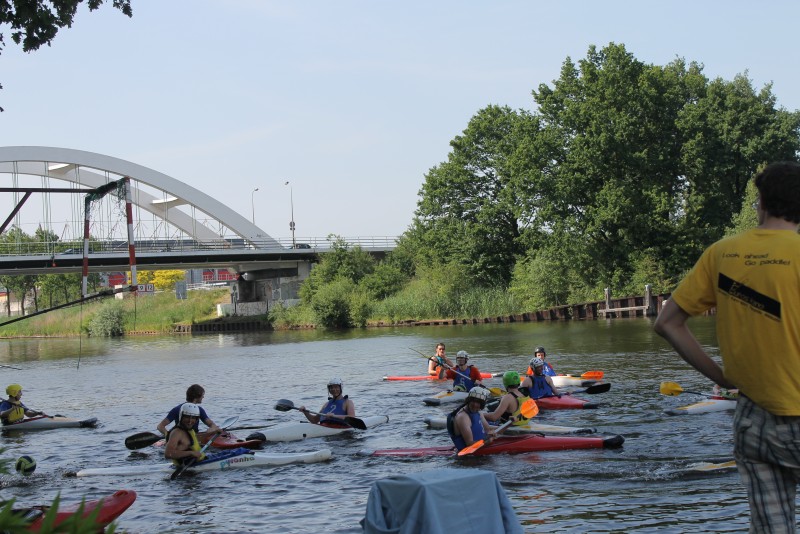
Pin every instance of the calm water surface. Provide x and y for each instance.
(130, 384)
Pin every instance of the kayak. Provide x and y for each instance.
(45, 422)
(562, 381)
(434, 377)
(110, 508)
(565, 402)
(712, 404)
(531, 427)
(226, 440)
(304, 430)
(218, 462)
(511, 445)
(446, 397)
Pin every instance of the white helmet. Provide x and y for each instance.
(190, 409)
(335, 382)
(482, 394)
(462, 354)
(536, 362)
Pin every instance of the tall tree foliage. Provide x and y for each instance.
(625, 172)
(35, 23)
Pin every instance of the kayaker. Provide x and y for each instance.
(509, 407)
(437, 365)
(753, 280)
(338, 405)
(539, 384)
(464, 377)
(182, 439)
(12, 410)
(540, 353)
(467, 423)
(194, 394)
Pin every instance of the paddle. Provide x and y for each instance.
(284, 405)
(673, 389)
(593, 375)
(528, 409)
(142, 440)
(592, 390)
(185, 465)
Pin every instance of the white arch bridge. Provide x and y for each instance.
(175, 225)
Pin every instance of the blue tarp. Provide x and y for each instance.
(440, 501)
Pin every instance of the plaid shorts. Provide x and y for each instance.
(767, 450)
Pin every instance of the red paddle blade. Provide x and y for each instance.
(472, 448)
(593, 375)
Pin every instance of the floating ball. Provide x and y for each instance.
(25, 465)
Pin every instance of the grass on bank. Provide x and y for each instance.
(159, 313)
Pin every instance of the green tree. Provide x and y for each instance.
(35, 23)
(468, 211)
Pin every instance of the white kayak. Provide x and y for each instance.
(45, 422)
(706, 467)
(238, 461)
(446, 397)
(531, 428)
(712, 404)
(305, 430)
(563, 381)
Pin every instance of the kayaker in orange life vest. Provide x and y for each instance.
(539, 384)
(337, 405)
(464, 377)
(12, 410)
(182, 440)
(435, 367)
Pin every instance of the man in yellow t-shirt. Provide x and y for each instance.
(753, 280)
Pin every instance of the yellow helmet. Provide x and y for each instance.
(13, 390)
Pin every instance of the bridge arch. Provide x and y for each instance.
(92, 170)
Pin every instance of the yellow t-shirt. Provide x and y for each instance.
(753, 279)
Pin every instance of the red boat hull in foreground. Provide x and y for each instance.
(514, 445)
(111, 507)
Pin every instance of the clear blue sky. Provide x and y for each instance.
(351, 101)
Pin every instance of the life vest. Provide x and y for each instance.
(476, 425)
(521, 399)
(16, 414)
(461, 380)
(334, 407)
(539, 388)
(195, 446)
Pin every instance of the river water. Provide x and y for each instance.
(130, 384)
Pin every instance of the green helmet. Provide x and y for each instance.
(511, 378)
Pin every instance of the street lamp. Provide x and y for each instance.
(253, 204)
(291, 223)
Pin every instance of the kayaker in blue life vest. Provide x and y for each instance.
(509, 407)
(467, 423)
(538, 385)
(438, 365)
(182, 440)
(464, 377)
(194, 395)
(336, 409)
(12, 410)
(540, 353)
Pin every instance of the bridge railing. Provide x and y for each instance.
(319, 244)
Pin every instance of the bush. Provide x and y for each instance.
(331, 303)
(109, 321)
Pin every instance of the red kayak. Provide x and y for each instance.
(434, 377)
(111, 507)
(565, 402)
(226, 440)
(513, 445)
